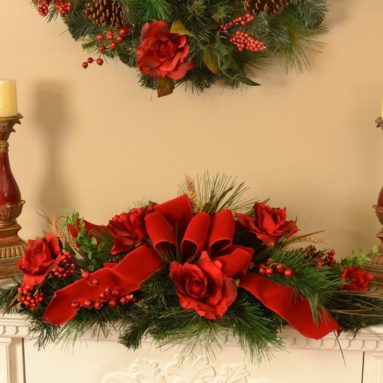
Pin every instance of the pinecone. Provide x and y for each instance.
(271, 7)
(105, 13)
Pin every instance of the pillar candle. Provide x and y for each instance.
(8, 98)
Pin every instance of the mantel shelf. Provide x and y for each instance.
(16, 326)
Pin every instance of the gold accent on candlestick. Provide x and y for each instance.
(11, 245)
(379, 122)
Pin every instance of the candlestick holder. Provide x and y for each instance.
(377, 260)
(11, 204)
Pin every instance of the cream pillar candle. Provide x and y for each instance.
(8, 98)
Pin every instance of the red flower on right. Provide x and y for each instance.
(356, 278)
(268, 224)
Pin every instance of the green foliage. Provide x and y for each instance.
(359, 259)
(147, 10)
(355, 310)
(159, 315)
(316, 285)
(93, 246)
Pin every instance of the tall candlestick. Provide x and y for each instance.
(8, 98)
(11, 204)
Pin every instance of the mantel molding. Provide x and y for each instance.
(16, 326)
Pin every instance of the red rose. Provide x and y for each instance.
(203, 287)
(39, 258)
(128, 229)
(268, 224)
(162, 53)
(356, 278)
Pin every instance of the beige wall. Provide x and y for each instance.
(94, 141)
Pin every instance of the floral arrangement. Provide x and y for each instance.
(196, 42)
(192, 268)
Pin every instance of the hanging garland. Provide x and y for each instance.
(190, 269)
(196, 42)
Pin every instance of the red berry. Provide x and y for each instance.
(115, 292)
(100, 37)
(109, 36)
(90, 60)
(119, 38)
(88, 303)
(85, 65)
(113, 45)
(262, 270)
(101, 49)
(97, 305)
(75, 304)
(269, 271)
(280, 268)
(100, 61)
(112, 303)
(288, 273)
(123, 300)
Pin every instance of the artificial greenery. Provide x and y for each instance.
(289, 35)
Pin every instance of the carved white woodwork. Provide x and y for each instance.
(198, 370)
(107, 362)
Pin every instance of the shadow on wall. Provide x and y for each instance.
(338, 11)
(51, 114)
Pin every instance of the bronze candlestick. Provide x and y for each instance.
(11, 204)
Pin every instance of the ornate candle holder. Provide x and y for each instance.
(11, 204)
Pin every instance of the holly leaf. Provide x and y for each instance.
(210, 60)
(165, 86)
(179, 27)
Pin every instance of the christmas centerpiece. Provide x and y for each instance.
(197, 42)
(203, 264)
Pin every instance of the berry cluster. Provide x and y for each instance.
(109, 296)
(272, 267)
(242, 20)
(91, 60)
(243, 41)
(63, 6)
(65, 265)
(29, 299)
(108, 41)
(321, 258)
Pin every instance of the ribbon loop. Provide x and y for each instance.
(221, 232)
(195, 236)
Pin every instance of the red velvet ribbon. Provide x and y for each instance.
(126, 276)
(285, 302)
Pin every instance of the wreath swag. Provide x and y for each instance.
(196, 42)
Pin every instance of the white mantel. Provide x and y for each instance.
(105, 361)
